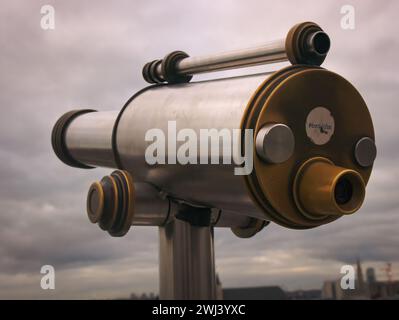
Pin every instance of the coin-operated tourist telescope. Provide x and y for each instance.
(294, 147)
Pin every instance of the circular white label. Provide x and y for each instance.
(320, 125)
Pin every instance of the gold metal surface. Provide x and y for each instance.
(249, 231)
(249, 122)
(288, 97)
(130, 194)
(294, 44)
(110, 215)
(315, 189)
(111, 203)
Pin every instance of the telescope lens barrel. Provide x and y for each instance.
(59, 138)
(323, 189)
(83, 138)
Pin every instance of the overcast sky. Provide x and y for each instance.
(93, 58)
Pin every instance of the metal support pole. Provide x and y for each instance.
(186, 262)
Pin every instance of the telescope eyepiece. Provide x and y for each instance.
(349, 191)
(323, 189)
(307, 43)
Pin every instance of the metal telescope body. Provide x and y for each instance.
(307, 132)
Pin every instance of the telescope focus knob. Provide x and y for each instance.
(110, 203)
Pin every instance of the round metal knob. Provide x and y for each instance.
(275, 143)
(365, 152)
(110, 203)
(95, 202)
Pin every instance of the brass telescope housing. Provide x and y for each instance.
(305, 190)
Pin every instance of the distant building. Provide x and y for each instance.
(219, 289)
(332, 289)
(255, 293)
(372, 289)
(384, 290)
(144, 296)
(361, 288)
(304, 294)
(370, 275)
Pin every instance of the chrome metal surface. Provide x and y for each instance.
(314, 43)
(186, 262)
(365, 152)
(227, 219)
(263, 54)
(150, 209)
(275, 143)
(88, 138)
(218, 104)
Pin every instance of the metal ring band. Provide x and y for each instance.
(58, 138)
(169, 68)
